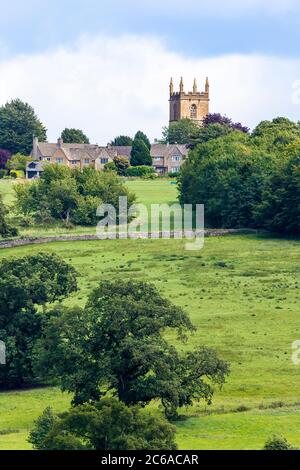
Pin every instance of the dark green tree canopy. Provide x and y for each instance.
(104, 425)
(74, 136)
(117, 344)
(246, 180)
(18, 125)
(279, 210)
(142, 136)
(122, 141)
(27, 285)
(140, 154)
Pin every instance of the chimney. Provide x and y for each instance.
(60, 142)
(35, 143)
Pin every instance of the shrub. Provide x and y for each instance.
(140, 171)
(3, 173)
(278, 443)
(71, 196)
(104, 425)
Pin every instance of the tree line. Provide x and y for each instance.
(245, 179)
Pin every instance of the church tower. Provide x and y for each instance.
(193, 104)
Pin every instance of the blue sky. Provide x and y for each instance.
(191, 27)
(104, 65)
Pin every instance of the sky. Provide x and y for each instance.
(104, 65)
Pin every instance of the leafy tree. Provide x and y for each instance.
(104, 425)
(180, 132)
(141, 136)
(71, 196)
(217, 118)
(18, 123)
(18, 162)
(42, 427)
(6, 230)
(227, 175)
(27, 285)
(210, 132)
(278, 443)
(117, 345)
(280, 207)
(122, 140)
(274, 136)
(121, 164)
(140, 154)
(74, 136)
(5, 155)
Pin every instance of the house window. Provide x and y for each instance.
(176, 158)
(74, 162)
(86, 161)
(59, 161)
(175, 169)
(157, 159)
(104, 160)
(193, 111)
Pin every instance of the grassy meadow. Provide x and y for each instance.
(242, 292)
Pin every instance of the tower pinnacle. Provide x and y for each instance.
(195, 87)
(207, 85)
(171, 87)
(181, 85)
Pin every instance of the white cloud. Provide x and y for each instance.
(108, 86)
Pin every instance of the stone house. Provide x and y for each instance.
(72, 155)
(168, 158)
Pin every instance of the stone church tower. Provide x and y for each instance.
(193, 104)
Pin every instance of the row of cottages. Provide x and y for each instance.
(166, 158)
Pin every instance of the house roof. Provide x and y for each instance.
(93, 152)
(164, 150)
(35, 166)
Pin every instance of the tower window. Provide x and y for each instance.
(193, 111)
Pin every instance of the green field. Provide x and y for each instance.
(7, 191)
(243, 294)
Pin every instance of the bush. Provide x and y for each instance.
(70, 196)
(17, 174)
(172, 175)
(3, 173)
(140, 171)
(104, 425)
(278, 443)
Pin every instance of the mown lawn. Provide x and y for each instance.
(243, 294)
